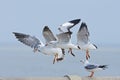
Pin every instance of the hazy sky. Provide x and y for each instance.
(30, 16)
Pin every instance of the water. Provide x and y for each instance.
(20, 61)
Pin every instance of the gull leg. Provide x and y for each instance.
(91, 75)
(63, 51)
(70, 51)
(87, 54)
(55, 58)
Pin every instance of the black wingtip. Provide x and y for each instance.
(75, 21)
(20, 35)
(46, 28)
(14, 33)
(103, 66)
(83, 24)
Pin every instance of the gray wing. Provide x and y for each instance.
(91, 66)
(83, 34)
(27, 39)
(48, 35)
(64, 37)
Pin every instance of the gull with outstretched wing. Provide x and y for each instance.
(35, 43)
(83, 39)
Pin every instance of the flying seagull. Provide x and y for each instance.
(83, 39)
(61, 40)
(68, 25)
(33, 42)
(92, 67)
(66, 35)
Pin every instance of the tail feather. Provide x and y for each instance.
(103, 66)
(95, 46)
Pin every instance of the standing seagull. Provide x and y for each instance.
(83, 39)
(92, 67)
(68, 25)
(62, 40)
(33, 42)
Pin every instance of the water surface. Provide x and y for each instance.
(20, 61)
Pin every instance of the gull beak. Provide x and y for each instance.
(82, 61)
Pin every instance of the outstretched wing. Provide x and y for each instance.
(27, 39)
(64, 37)
(83, 34)
(68, 25)
(48, 35)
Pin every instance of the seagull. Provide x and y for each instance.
(38, 45)
(65, 27)
(92, 67)
(61, 40)
(83, 39)
(65, 35)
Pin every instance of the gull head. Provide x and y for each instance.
(82, 61)
(85, 62)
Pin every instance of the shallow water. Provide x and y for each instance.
(20, 61)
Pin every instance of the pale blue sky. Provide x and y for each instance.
(30, 16)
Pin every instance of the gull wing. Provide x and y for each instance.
(90, 66)
(64, 37)
(68, 25)
(83, 34)
(48, 35)
(27, 39)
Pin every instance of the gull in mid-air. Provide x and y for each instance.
(33, 42)
(92, 67)
(83, 39)
(65, 27)
(64, 37)
(61, 40)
